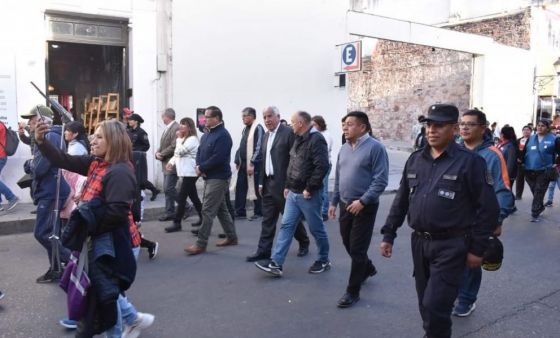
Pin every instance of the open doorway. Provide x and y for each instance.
(77, 73)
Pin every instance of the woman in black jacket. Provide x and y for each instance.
(110, 182)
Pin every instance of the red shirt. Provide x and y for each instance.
(2, 140)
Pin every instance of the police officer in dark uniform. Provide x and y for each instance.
(140, 142)
(452, 210)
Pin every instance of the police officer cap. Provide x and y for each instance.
(136, 117)
(494, 255)
(44, 110)
(442, 112)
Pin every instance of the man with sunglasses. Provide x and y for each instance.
(452, 210)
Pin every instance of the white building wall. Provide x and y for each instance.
(235, 54)
(24, 43)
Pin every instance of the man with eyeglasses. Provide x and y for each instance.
(478, 138)
(212, 163)
(452, 210)
(539, 156)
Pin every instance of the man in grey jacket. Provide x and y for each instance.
(164, 154)
(362, 172)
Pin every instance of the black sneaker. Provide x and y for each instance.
(49, 277)
(547, 204)
(319, 267)
(270, 266)
(153, 250)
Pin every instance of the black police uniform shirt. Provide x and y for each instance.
(449, 193)
(139, 139)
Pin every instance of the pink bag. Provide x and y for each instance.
(76, 283)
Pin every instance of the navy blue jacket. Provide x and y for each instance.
(44, 174)
(214, 154)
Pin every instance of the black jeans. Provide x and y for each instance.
(356, 232)
(188, 189)
(538, 183)
(438, 270)
(520, 185)
(273, 206)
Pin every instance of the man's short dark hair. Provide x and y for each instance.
(480, 116)
(251, 111)
(528, 127)
(305, 116)
(361, 117)
(215, 112)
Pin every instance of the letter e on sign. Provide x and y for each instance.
(351, 56)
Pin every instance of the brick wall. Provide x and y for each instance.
(400, 81)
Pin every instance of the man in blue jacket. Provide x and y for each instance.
(476, 137)
(45, 176)
(539, 156)
(212, 163)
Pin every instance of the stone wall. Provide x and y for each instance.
(400, 81)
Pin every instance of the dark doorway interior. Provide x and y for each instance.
(77, 72)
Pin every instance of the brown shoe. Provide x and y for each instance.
(227, 242)
(195, 250)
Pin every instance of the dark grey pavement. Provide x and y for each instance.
(219, 295)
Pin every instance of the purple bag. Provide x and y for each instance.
(75, 282)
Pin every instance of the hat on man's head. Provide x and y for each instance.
(44, 110)
(441, 112)
(136, 117)
(494, 255)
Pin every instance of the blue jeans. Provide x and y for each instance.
(44, 228)
(551, 187)
(4, 190)
(325, 208)
(297, 207)
(468, 291)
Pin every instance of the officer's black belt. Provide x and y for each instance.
(440, 235)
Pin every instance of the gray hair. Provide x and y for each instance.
(274, 109)
(170, 112)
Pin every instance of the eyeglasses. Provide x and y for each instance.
(469, 125)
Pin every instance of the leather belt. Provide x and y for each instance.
(434, 236)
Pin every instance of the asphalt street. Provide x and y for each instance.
(218, 294)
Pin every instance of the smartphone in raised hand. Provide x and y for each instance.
(43, 118)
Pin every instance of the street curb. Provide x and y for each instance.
(26, 225)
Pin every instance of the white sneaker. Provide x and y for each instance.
(143, 321)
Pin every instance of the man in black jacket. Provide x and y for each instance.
(309, 163)
(275, 156)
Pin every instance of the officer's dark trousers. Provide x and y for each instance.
(538, 184)
(273, 205)
(438, 270)
(241, 189)
(356, 232)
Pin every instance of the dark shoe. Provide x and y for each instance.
(153, 250)
(348, 300)
(254, 217)
(319, 267)
(372, 271)
(257, 257)
(173, 228)
(303, 251)
(463, 310)
(222, 236)
(194, 231)
(49, 277)
(547, 204)
(33, 212)
(195, 250)
(166, 218)
(154, 194)
(227, 242)
(270, 266)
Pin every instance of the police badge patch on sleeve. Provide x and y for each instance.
(489, 178)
